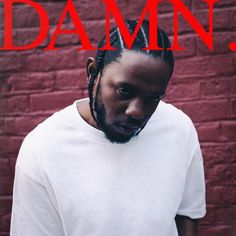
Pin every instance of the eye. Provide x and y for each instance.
(124, 92)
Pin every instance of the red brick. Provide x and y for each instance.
(1, 16)
(208, 110)
(96, 30)
(26, 36)
(219, 153)
(209, 218)
(1, 37)
(189, 45)
(221, 195)
(3, 104)
(4, 234)
(5, 203)
(85, 93)
(26, 16)
(12, 61)
(90, 10)
(10, 145)
(53, 101)
(65, 39)
(165, 6)
(200, 4)
(133, 9)
(166, 22)
(56, 60)
(183, 92)
(208, 80)
(129, 9)
(4, 88)
(75, 79)
(5, 224)
(54, 11)
(6, 185)
(233, 17)
(5, 168)
(234, 106)
(218, 230)
(204, 66)
(226, 215)
(30, 81)
(209, 132)
(21, 125)
(221, 19)
(13, 164)
(228, 131)
(17, 104)
(1, 125)
(221, 43)
(223, 174)
(82, 57)
(234, 58)
(220, 87)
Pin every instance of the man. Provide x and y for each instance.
(119, 163)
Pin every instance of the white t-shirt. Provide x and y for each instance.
(71, 181)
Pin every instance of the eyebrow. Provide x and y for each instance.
(127, 85)
(136, 88)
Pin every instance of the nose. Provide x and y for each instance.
(135, 109)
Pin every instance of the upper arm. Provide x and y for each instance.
(33, 212)
(193, 203)
(186, 226)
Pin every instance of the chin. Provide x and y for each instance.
(115, 137)
(119, 140)
(113, 134)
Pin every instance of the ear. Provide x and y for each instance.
(91, 66)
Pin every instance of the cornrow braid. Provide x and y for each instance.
(99, 65)
(99, 62)
(105, 57)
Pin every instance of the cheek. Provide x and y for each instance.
(114, 109)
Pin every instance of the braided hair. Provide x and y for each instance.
(105, 57)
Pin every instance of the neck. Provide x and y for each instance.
(84, 110)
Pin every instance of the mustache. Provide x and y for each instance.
(130, 122)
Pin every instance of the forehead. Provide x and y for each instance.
(138, 69)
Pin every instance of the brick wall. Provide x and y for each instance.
(36, 83)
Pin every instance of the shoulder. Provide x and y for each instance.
(43, 136)
(170, 116)
(176, 125)
(53, 125)
(173, 126)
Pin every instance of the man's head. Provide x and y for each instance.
(125, 86)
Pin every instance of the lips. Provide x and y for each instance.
(126, 129)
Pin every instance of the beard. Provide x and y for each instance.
(109, 132)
